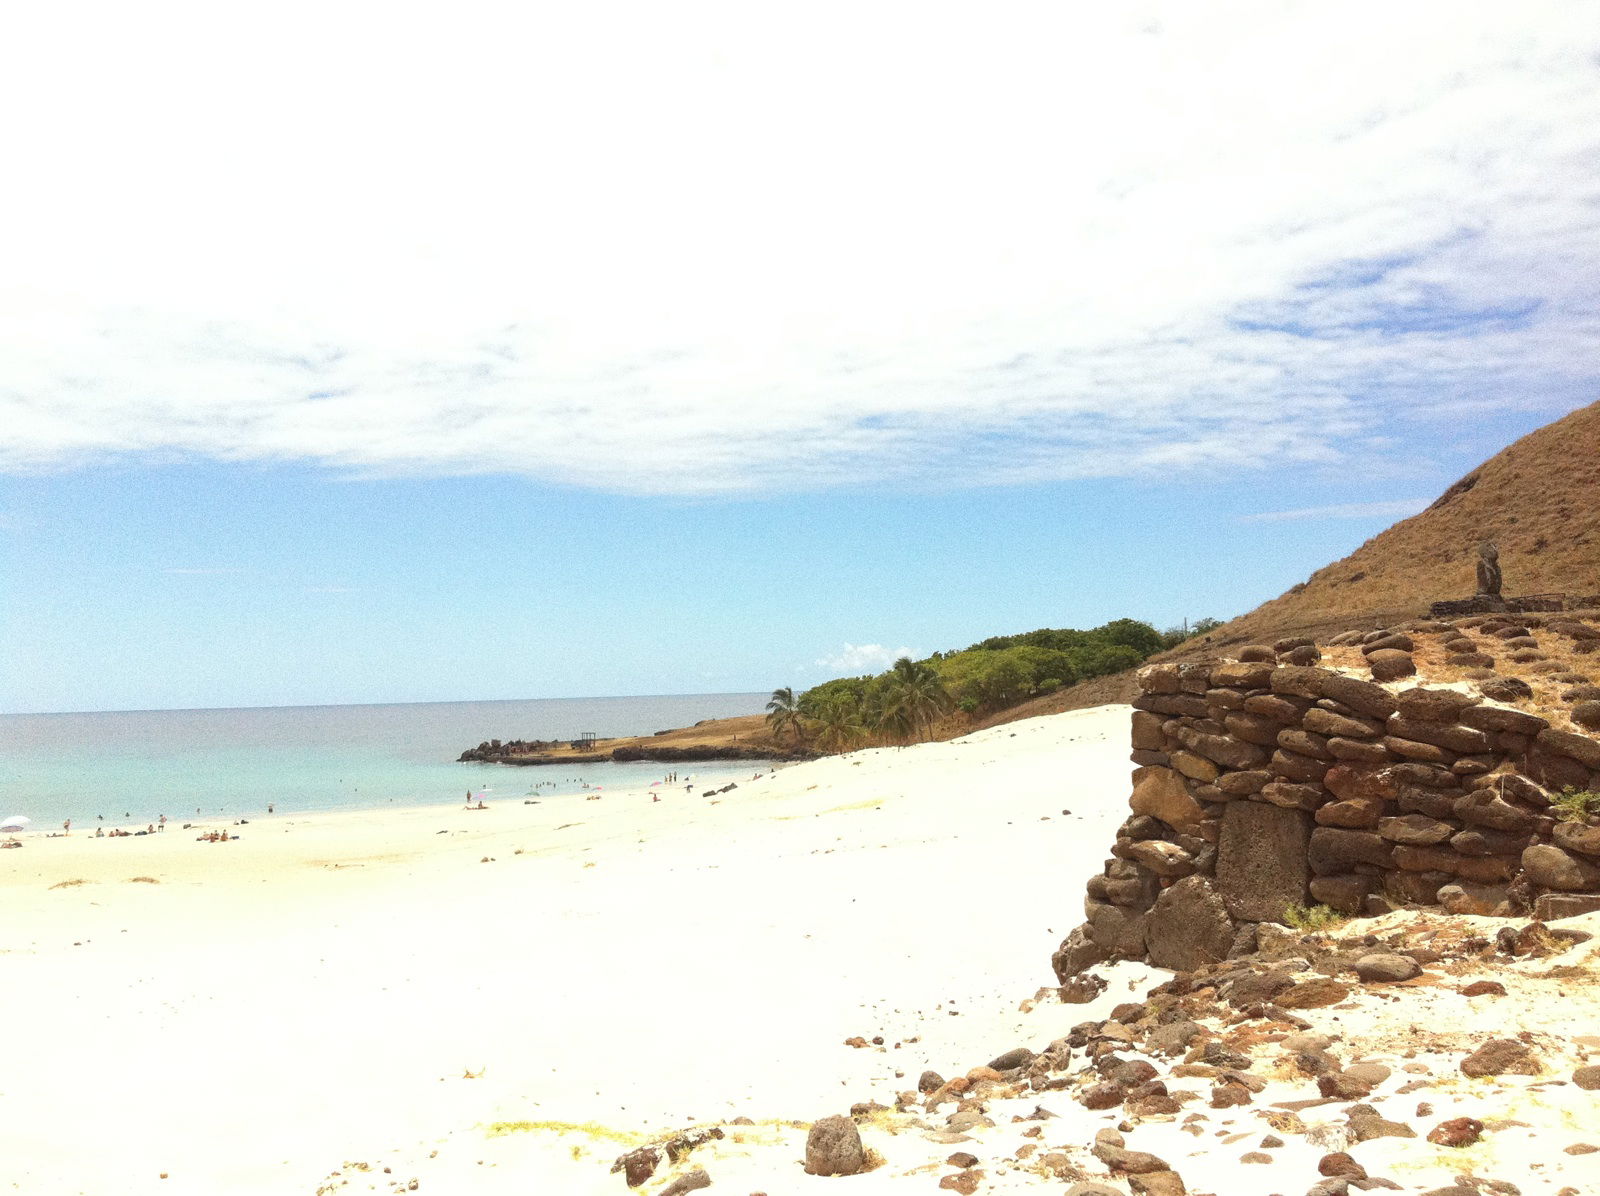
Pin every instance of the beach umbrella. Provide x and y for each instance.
(14, 823)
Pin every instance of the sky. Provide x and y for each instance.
(403, 352)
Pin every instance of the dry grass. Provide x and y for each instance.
(1538, 500)
(67, 884)
(143, 880)
(591, 1130)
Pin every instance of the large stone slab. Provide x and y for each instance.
(1261, 860)
(1189, 926)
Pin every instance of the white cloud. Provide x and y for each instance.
(1396, 509)
(710, 248)
(855, 660)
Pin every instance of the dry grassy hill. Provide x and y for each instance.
(1538, 500)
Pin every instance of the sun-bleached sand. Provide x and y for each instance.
(388, 988)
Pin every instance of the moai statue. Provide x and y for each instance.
(1489, 579)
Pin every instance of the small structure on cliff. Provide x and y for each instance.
(1489, 600)
(1263, 785)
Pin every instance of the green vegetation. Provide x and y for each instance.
(782, 712)
(1173, 636)
(1313, 919)
(1575, 805)
(913, 699)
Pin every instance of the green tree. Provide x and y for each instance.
(783, 711)
(1141, 637)
(838, 723)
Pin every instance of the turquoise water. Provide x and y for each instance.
(136, 765)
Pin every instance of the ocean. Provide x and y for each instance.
(132, 766)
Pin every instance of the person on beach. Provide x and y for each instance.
(163, 823)
(66, 827)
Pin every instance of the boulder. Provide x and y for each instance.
(1390, 665)
(1159, 679)
(1446, 735)
(1577, 836)
(1347, 892)
(1355, 814)
(1293, 797)
(1388, 641)
(1384, 967)
(1488, 842)
(1587, 715)
(1482, 808)
(1565, 743)
(1161, 793)
(1458, 1131)
(1441, 859)
(1222, 749)
(1195, 767)
(1415, 888)
(1433, 705)
(1164, 859)
(1278, 707)
(1359, 751)
(1500, 1057)
(1506, 689)
(1147, 734)
(1361, 696)
(1261, 860)
(1189, 926)
(1298, 681)
(1550, 867)
(1415, 829)
(1306, 743)
(1327, 723)
(1498, 718)
(833, 1147)
(1242, 674)
(1242, 784)
(1333, 850)
(1468, 897)
(1292, 766)
(1351, 782)
(1077, 952)
(1554, 906)
(1415, 749)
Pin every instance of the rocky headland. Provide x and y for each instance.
(746, 738)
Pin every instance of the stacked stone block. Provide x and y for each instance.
(1261, 785)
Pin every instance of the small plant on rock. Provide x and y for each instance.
(1313, 919)
(1575, 805)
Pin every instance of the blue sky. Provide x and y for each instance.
(513, 353)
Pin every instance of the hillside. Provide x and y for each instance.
(1538, 500)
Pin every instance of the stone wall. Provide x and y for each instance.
(1482, 604)
(1262, 784)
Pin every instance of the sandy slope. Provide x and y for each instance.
(319, 991)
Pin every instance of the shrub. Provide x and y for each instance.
(1313, 919)
(1574, 805)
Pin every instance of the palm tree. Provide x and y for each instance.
(922, 697)
(838, 723)
(783, 710)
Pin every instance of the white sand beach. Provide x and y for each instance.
(384, 988)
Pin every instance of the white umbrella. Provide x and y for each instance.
(15, 823)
